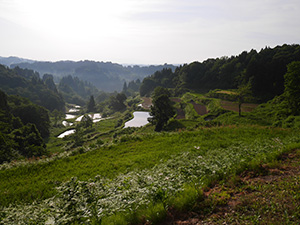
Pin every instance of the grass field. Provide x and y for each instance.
(224, 150)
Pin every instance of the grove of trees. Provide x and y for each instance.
(265, 69)
(20, 136)
(28, 84)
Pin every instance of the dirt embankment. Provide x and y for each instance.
(233, 106)
(275, 189)
(147, 102)
(200, 109)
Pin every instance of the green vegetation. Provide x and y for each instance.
(292, 83)
(162, 110)
(199, 156)
(106, 76)
(208, 145)
(27, 83)
(19, 135)
(270, 198)
(266, 70)
(76, 91)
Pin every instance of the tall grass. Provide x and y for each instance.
(157, 170)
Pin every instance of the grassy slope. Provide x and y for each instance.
(27, 183)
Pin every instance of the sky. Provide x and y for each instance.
(144, 31)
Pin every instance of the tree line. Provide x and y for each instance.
(265, 69)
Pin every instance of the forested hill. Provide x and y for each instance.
(106, 76)
(27, 83)
(22, 126)
(265, 69)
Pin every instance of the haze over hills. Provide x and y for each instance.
(106, 76)
(7, 61)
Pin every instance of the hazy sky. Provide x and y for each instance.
(144, 31)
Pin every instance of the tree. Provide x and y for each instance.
(124, 87)
(292, 86)
(28, 141)
(91, 106)
(58, 115)
(158, 91)
(30, 113)
(116, 103)
(86, 121)
(243, 91)
(162, 109)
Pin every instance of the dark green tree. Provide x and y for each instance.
(116, 103)
(31, 113)
(124, 87)
(292, 86)
(162, 109)
(58, 115)
(28, 141)
(158, 91)
(86, 121)
(16, 139)
(91, 106)
(48, 80)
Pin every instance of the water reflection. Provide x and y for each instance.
(139, 119)
(66, 133)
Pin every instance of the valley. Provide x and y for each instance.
(186, 146)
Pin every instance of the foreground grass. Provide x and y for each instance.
(38, 181)
(172, 159)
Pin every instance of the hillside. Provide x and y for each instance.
(106, 174)
(106, 76)
(22, 126)
(265, 69)
(28, 84)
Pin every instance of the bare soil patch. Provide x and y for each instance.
(233, 106)
(176, 99)
(147, 102)
(200, 109)
(180, 114)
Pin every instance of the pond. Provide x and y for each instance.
(66, 133)
(139, 119)
(96, 117)
(70, 116)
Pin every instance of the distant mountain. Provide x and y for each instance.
(106, 76)
(7, 61)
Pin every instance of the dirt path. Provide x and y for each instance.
(272, 198)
